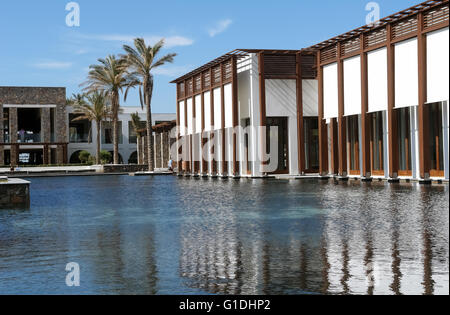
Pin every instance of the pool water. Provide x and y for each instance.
(169, 235)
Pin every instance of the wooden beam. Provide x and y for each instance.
(392, 117)
(300, 121)
(365, 119)
(323, 134)
(423, 114)
(342, 128)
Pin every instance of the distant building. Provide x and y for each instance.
(37, 128)
(82, 136)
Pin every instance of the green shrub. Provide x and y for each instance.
(105, 157)
(84, 156)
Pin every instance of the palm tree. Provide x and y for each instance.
(94, 108)
(137, 126)
(141, 61)
(111, 77)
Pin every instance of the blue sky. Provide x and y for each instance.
(39, 49)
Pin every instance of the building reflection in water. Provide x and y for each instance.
(363, 239)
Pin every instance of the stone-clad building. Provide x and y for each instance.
(37, 128)
(33, 125)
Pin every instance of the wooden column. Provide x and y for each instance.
(392, 117)
(262, 104)
(365, 119)
(334, 146)
(300, 121)
(342, 129)
(222, 98)
(203, 140)
(212, 133)
(235, 91)
(423, 114)
(186, 167)
(323, 133)
(178, 159)
(194, 161)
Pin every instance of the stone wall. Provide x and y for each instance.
(107, 169)
(15, 194)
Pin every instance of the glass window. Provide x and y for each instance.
(79, 130)
(107, 132)
(311, 133)
(377, 144)
(353, 144)
(436, 139)
(404, 138)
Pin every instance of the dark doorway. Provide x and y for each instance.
(353, 144)
(29, 125)
(283, 148)
(31, 157)
(311, 133)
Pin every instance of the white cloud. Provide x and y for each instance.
(170, 41)
(220, 27)
(53, 65)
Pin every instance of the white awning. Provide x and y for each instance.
(330, 91)
(437, 66)
(352, 86)
(377, 80)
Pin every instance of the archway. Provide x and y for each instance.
(133, 158)
(120, 157)
(74, 158)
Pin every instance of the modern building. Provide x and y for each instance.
(37, 128)
(370, 103)
(33, 125)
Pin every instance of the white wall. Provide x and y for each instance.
(281, 96)
(352, 86)
(437, 66)
(406, 74)
(330, 91)
(377, 80)
(310, 98)
(244, 94)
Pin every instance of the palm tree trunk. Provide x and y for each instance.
(116, 128)
(148, 100)
(138, 150)
(99, 128)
